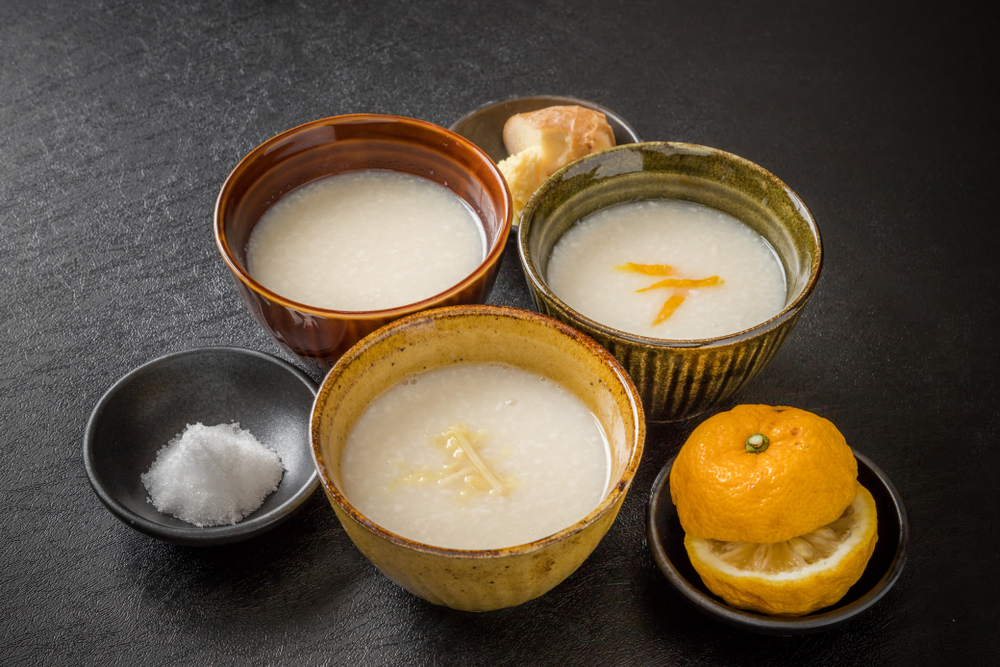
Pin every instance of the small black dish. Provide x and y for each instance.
(666, 542)
(145, 409)
(484, 126)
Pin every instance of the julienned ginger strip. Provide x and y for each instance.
(459, 434)
(458, 475)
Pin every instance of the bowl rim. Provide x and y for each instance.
(190, 535)
(538, 283)
(563, 100)
(616, 490)
(776, 625)
(491, 257)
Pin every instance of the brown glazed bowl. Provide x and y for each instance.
(489, 579)
(343, 144)
(677, 379)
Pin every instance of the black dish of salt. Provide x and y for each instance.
(148, 407)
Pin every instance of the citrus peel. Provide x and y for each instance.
(646, 269)
(672, 304)
(802, 479)
(711, 281)
(793, 577)
(681, 285)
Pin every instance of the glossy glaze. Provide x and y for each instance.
(492, 579)
(677, 379)
(342, 144)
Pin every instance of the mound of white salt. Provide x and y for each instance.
(212, 475)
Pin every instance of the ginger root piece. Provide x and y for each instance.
(524, 172)
(542, 142)
(563, 133)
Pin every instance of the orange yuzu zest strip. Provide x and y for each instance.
(672, 304)
(646, 269)
(683, 282)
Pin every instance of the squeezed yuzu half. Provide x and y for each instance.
(794, 577)
(774, 518)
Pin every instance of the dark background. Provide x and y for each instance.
(119, 122)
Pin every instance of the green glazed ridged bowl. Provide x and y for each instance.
(677, 379)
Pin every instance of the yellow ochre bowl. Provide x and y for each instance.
(488, 579)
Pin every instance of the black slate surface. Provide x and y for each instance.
(120, 120)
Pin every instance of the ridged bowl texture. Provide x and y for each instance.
(677, 379)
